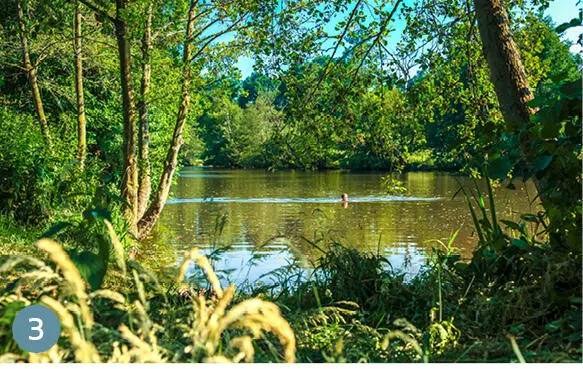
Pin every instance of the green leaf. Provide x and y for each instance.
(9, 312)
(520, 243)
(541, 163)
(461, 267)
(91, 267)
(529, 218)
(512, 225)
(452, 259)
(55, 229)
(100, 213)
(575, 22)
(553, 326)
(499, 168)
(549, 129)
(558, 78)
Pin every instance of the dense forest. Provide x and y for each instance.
(103, 101)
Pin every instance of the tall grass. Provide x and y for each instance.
(126, 325)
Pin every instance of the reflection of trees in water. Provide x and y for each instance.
(397, 227)
(160, 251)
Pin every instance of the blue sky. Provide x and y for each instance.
(560, 11)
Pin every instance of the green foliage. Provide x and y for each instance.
(357, 107)
(507, 264)
(34, 181)
(553, 160)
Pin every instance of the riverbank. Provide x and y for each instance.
(527, 308)
(425, 160)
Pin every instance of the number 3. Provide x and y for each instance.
(38, 328)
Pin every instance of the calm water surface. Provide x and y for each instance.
(270, 219)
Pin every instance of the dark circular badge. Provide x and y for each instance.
(36, 328)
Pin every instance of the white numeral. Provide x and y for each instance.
(38, 328)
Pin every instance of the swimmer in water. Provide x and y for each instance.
(344, 200)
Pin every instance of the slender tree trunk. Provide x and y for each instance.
(32, 77)
(506, 69)
(129, 185)
(152, 214)
(81, 122)
(145, 185)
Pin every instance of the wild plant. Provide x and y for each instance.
(132, 328)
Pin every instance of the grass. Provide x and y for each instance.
(515, 301)
(16, 238)
(135, 319)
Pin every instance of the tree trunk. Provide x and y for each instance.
(32, 77)
(506, 70)
(145, 185)
(512, 89)
(147, 222)
(129, 185)
(81, 122)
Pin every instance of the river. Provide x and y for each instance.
(267, 220)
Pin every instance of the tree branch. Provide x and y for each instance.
(96, 9)
(219, 34)
(348, 23)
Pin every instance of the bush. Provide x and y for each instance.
(36, 180)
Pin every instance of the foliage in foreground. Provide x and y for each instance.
(139, 323)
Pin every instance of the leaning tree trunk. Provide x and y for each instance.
(32, 77)
(145, 185)
(506, 70)
(81, 122)
(512, 89)
(129, 185)
(147, 222)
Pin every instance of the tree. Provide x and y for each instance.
(236, 17)
(513, 92)
(151, 215)
(31, 71)
(507, 72)
(145, 185)
(82, 123)
(129, 184)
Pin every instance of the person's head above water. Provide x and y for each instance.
(344, 197)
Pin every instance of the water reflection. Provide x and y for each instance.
(312, 200)
(281, 215)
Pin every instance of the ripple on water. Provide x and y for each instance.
(301, 200)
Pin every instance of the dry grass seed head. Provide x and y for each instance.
(258, 315)
(71, 275)
(13, 261)
(205, 265)
(108, 294)
(140, 288)
(219, 359)
(245, 346)
(211, 332)
(144, 318)
(10, 358)
(53, 355)
(141, 351)
(85, 352)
